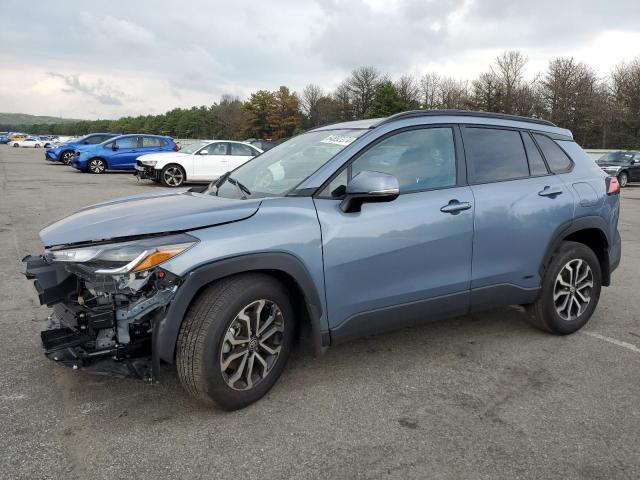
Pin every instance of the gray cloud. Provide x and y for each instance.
(98, 91)
(165, 55)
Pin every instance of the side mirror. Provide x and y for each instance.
(204, 152)
(114, 147)
(369, 187)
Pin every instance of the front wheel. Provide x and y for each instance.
(15, 145)
(97, 165)
(66, 157)
(172, 176)
(623, 179)
(570, 290)
(235, 340)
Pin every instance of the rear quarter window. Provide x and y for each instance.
(558, 161)
(494, 154)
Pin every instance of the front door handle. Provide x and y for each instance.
(454, 206)
(550, 191)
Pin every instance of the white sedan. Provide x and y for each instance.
(32, 142)
(198, 162)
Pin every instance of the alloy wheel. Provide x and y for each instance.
(572, 289)
(173, 176)
(96, 166)
(623, 179)
(252, 344)
(66, 157)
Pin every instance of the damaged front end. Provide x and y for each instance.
(107, 299)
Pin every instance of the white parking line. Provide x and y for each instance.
(620, 343)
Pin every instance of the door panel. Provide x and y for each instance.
(212, 165)
(514, 223)
(125, 156)
(400, 253)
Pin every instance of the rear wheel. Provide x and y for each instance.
(570, 290)
(235, 340)
(15, 145)
(65, 157)
(37, 145)
(97, 165)
(172, 176)
(623, 179)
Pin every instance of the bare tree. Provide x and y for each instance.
(509, 71)
(362, 89)
(342, 98)
(311, 94)
(408, 91)
(429, 88)
(625, 89)
(452, 93)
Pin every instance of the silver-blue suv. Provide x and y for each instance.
(340, 232)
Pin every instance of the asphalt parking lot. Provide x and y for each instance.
(481, 396)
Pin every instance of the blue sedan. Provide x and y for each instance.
(63, 153)
(120, 153)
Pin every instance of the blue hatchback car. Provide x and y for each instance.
(63, 153)
(120, 153)
(343, 231)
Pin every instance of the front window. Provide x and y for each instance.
(618, 158)
(279, 170)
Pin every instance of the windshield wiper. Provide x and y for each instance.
(241, 188)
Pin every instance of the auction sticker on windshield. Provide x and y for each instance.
(338, 140)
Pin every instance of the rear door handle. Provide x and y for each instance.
(550, 191)
(454, 206)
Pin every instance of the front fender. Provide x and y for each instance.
(195, 280)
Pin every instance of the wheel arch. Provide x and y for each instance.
(283, 266)
(171, 164)
(590, 231)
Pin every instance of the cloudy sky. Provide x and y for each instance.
(85, 59)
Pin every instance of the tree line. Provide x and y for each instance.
(602, 112)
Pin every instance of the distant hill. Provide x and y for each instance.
(24, 119)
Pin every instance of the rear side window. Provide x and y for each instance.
(558, 161)
(494, 155)
(127, 142)
(536, 163)
(152, 142)
(241, 150)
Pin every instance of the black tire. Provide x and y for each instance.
(200, 342)
(623, 179)
(96, 165)
(15, 145)
(37, 146)
(543, 313)
(65, 157)
(173, 176)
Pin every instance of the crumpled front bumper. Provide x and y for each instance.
(90, 338)
(146, 172)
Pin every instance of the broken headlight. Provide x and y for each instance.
(125, 257)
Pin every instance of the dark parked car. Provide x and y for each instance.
(625, 165)
(343, 231)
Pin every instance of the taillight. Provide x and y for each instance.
(175, 147)
(613, 186)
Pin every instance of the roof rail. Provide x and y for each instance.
(465, 113)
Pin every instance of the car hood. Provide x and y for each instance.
(605, 164)
(160, 212)
(163, 156)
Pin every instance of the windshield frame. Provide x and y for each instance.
(214, 186)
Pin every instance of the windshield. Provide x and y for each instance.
(193, 147)
(279, 170)
(620, 158)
